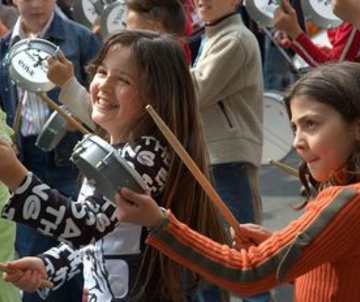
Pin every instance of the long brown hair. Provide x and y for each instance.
(165, 83)
(337, 85)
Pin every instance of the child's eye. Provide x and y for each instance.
(101, 71)
(124, 80)
(310, 124)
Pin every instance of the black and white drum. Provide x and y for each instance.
(261, 11)
(52, 132)
(320, 12)
(278, 136)
(105, 168)
(28, 66)
(86, 12)
(113, 18)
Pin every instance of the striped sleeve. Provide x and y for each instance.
(345, 46)
(286, 255)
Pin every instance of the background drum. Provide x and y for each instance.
(113, 18)
(320, 13)
(52, 132)
(278, 136)
(261, 11)
(28, 66)
(104, 167)
(86, 12)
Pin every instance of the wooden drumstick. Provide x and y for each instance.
(45, 283)
(195, 171)
(63, 113)
(284, 167)
(17, 118)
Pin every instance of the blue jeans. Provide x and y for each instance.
(29, 241)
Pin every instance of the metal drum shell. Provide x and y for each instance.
(81, 16)
(52, 132)
(310, 13)
(117, 7)
(259, 15)
(278, 135)
(21, 46)
(104, 168)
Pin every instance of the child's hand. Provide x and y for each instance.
(255, 234)
(286, 19)
(60, 70)
(12, 172)
(137, 208)
(28, 273)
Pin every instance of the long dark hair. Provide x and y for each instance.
(165, 83)
(337, 85)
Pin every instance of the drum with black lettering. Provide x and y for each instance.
(113, 17)
(278, 136)
(261, 11)
(105, 168)
(28, 65)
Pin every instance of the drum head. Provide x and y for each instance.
(113, 18)
(278, 136)
(320, 12)
(105, 168)
(86, 12)
(261, 11)
(28, 66)
(52, 132)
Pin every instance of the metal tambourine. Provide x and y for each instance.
(52, 132)
(28, 66)
(105, 168)
(278, 136)
(113, 17)
(261, 11)
(320, 12)
(86, 12)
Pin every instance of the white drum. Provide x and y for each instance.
(278, 136)
(28, 66)
(113, 18)
(320, 12)
(105, 168)
(86, 12)
(261, 11)
(52, 132)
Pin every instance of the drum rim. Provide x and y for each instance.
(311, 14)
(79, 14)
(105, 15)
(256, 14)
(101, 143)
(17, 77)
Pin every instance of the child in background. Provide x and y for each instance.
(319, 252)
(345, 39)
(133, 69)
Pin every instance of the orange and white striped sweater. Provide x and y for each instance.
(319, 252)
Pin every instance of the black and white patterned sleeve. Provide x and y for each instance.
(46, 210)
(62, 263)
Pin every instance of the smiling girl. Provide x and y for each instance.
(132, 69)
(320, 251)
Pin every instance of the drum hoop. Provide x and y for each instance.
(79, 14)
(105, 15)
(318, 19)
(21, 46)
(256, 14)
(105, 146)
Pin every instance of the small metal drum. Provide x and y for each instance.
(320, 12)
(52, 132)
(278, 136)
(113, 17)
(28, 66)
(86, 12)
(105, 168)
(261, 11)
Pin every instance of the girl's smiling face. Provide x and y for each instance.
(323, 139)
(114, 95)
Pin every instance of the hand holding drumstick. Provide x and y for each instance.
(27, 273)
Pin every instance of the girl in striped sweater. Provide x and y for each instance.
(319, 251)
